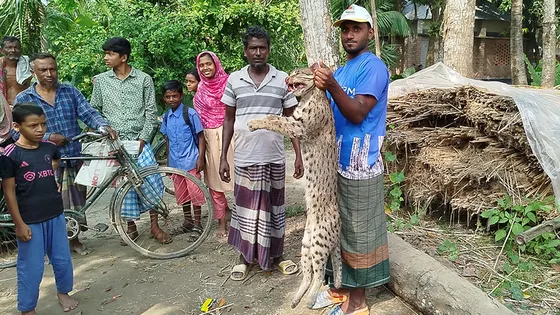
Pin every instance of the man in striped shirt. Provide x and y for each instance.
(258, 221)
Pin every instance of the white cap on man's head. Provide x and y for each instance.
(355, 13)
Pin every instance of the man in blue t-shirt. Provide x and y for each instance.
(358, 94)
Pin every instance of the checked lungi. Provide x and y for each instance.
(365, 251)
(152, 189)
(258, 220)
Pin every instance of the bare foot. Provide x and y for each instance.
(221, 228)
(161, 236)
(78, 247)
(67, 302)
(29, 313)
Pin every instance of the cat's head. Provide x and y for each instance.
(300, 81)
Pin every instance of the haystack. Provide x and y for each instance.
(463, 149)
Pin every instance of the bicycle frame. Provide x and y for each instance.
(127, 169)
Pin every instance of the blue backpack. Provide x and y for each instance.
(186, 117)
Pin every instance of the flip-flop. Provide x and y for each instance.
(241, 269)
(287, 267)
(337, 310)
(196, 232)
(325, 299)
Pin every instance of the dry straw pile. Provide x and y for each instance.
(462, 149)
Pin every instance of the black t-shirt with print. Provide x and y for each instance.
(37, 194)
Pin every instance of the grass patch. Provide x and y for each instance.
(292, 211)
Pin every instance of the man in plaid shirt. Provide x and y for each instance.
(63, 105)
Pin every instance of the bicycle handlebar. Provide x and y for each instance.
(89, 134)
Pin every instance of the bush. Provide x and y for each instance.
(167, 38)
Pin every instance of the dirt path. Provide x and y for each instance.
(116, 280)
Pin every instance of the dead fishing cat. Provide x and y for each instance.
(313, 124)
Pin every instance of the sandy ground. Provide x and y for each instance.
(116, 280)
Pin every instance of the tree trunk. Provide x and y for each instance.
(320, 41)
(375, 29)
(549, 44)
(518, 74)
(458, 35)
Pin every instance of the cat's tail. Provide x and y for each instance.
(336, 261)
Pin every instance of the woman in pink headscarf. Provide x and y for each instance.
(213, 80)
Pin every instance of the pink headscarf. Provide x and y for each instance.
(207, 99)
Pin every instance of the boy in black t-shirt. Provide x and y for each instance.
(35, 204)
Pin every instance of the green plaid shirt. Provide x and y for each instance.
(129, 105)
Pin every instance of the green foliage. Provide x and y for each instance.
(536, 72)
(449, 249)
(514, 219)
(511, 219)
(395, 194)
(166, 38)
(23, 19)
(406, 73)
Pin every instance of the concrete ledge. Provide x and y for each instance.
(432, 288)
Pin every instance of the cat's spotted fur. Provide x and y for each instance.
(313, 124)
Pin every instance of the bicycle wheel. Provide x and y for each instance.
(160, 152)
(8, 244)
(154, 196)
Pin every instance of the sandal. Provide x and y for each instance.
(196, 232)
(239, 272)
(287, 267)
(326, 298)
(162, 237)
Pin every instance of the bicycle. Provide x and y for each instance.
(160, 152)
(133, 178)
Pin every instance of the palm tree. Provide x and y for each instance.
(390, 22)
(28, 19)
(24, 19)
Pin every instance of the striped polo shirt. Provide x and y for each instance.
(251, 102)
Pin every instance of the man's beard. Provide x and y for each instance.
(355, 49)
(259, 66)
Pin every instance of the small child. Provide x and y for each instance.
(185, 151)
(35, 204)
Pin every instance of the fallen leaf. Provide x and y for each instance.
(556, 267)
(221, 302)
